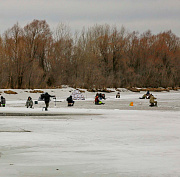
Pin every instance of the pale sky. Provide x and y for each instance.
(134, 15)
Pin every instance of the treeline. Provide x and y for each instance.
(100, 56)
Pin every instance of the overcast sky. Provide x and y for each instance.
(134, 15)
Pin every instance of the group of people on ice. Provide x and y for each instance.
(46, 98)
(151, 98)
(98, 100)
(148, 95)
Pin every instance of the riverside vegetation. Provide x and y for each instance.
(101, 56)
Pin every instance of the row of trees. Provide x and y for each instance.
(101, 56)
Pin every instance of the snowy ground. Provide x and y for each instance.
(87, 140)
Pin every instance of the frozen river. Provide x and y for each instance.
(114, 140)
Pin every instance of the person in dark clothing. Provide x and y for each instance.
(148, 95)
(46, 98)
(143, 97)
(118, 95)
(100, 96)
(70, 101)
(3, 101)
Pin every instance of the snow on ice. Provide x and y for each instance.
(88, 140)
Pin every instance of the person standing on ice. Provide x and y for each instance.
(46, 98)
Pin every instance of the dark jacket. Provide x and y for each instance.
(3, 100)
(70, 100)
(29, 98)
(46, 97)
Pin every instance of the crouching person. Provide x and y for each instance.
(143, 97)
(97, 101)
(118, 95)
(29, 102)
(70, 101)
(3, 102)
(152, 101)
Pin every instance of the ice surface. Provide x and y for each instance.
(87, 140)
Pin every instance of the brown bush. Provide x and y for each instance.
(36, 91)
(82, 91)
(100, 90)
(155, 89)
(105, 90)
(10, 92)
(92, 90)
(133, 89)
(174, 88)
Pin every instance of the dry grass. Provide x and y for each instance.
(155, 89)
(82, 91)
(133, 89)
(174, 88)
(10, 92)
(36, 91)
(100, 90)
(92, 90)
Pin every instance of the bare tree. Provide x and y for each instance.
(38, 38)
(14, 50)
(99, 56)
